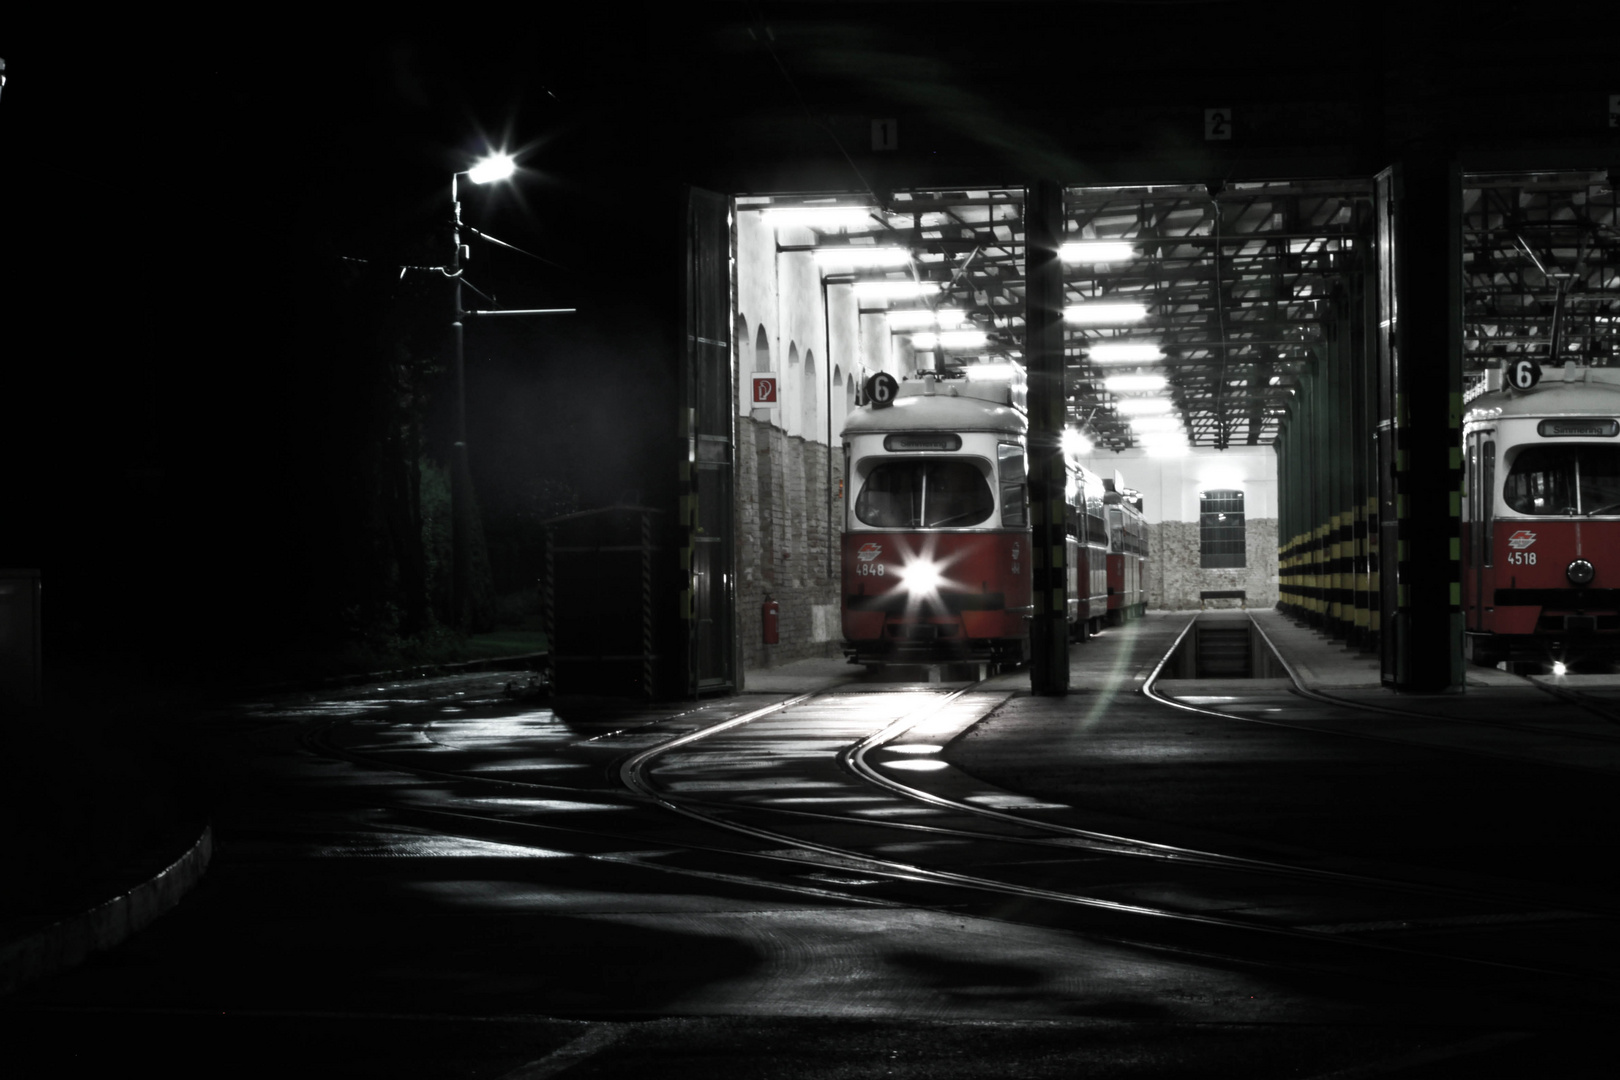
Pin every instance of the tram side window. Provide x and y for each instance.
(1014, 486)
(1564, 480)
(922, 493)
(1096, 522)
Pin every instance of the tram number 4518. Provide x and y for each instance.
(1521, 558)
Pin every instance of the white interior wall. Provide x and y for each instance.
(782, 292)
(1170, 485)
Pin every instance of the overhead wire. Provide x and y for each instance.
(767, 42)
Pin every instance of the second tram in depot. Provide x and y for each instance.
(1541, 518)
(1127, 556)
(936, 545)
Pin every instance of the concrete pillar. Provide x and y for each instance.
(1043, 355)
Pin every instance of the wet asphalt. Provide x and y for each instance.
(453, 878)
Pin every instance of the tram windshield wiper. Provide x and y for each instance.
(1613, 507)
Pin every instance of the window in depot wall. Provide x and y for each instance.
(1220, 529)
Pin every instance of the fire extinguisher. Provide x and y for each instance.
(767, 618)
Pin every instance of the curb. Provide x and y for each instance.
(64, 944)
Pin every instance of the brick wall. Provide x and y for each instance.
(784, 538)
(1175, 579)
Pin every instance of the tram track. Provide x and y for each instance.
(720, 815)
(782, 850)
(1604, 711)
(1329, 726)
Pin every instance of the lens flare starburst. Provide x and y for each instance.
(924, 572)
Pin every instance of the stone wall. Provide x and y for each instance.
(1175, 579)
(784, 539)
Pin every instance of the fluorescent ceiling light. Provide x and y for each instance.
(1096, 251)
(1143, 406)
(1108, 352)
(817, 217)
(1104, 313)
(895, 289)
(992, 372)
(1144, 425)
(923, 319)
(949, 339)
(849, 255)
(1124, 384)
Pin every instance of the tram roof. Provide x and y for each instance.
(1582, 392)
(949, 408)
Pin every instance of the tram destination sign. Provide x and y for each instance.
(1576, 429)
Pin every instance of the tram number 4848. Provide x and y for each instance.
(1521, 558)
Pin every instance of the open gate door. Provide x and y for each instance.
(1392, 635)
(708, 412)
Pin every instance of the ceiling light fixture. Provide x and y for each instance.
(1124, 384)
(1143, 407)
(949, 339)
(895, 290)
(1104, 313)
(817, 217)
(849, 255)
(1112, 352)
(923, 319)
(1096, 251)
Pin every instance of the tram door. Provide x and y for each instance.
(708, 603)
(1478, 518)
(1472, 582)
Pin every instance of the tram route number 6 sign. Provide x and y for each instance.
(1523, 374)
(764, 390)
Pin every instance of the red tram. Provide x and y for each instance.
(936, 546)
(1127, 556)
(1541, 520)
(1087, 529)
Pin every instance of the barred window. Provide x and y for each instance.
(1220, 529)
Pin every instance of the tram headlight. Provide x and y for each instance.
(921, 576)
(1580, 572)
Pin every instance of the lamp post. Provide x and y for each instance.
(494, 167)
(485, 170)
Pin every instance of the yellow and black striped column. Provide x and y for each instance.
(1048, 480)
(1422, 358)
(1327, 464)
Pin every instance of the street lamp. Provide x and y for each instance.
(484, 171)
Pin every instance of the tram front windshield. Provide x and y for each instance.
(1565, 480)
(919, 493)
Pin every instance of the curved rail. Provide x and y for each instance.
(633, 773)
(1305, 691)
